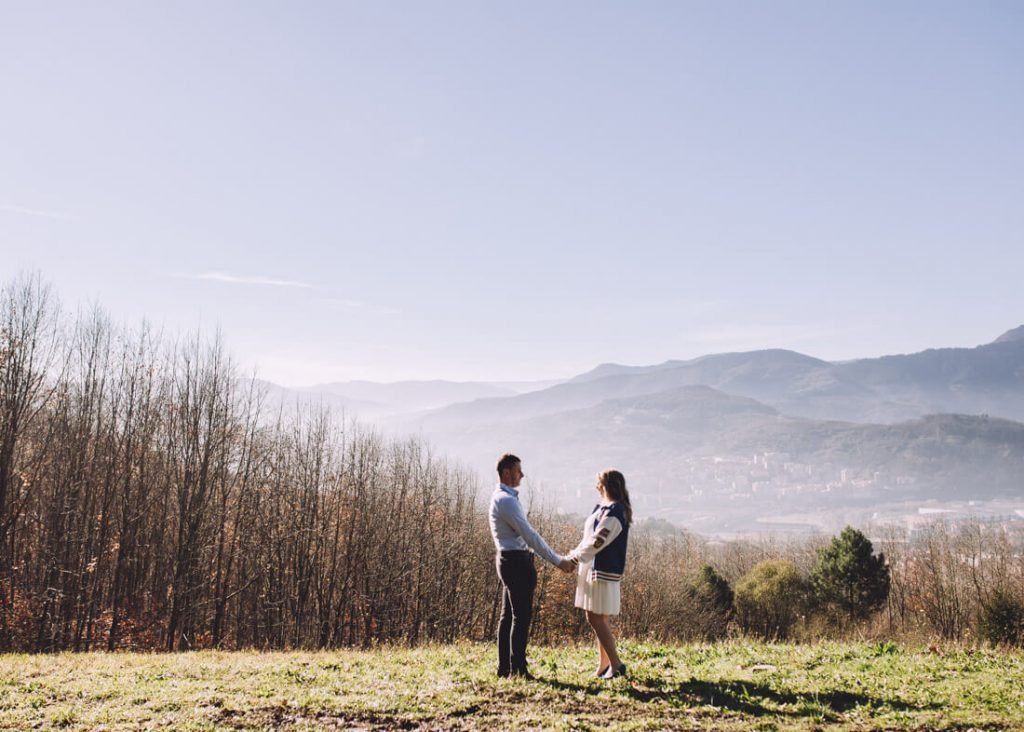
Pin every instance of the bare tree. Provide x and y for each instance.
(202, 418)
(28, 342)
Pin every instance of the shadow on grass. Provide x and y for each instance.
(754, 698)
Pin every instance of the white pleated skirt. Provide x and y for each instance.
(597, 596)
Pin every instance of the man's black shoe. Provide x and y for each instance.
(522, 674)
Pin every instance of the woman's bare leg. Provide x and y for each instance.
(605, 638)
(602, 659)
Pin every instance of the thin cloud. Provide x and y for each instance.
(348, 304)
(36, 212)
(246, 280)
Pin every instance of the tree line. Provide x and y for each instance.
(152, 498)
(149, 499)
(944, 581)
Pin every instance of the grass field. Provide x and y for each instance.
(732, 686)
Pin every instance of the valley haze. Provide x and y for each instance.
(732, 444)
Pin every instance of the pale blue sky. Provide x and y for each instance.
(483, 190)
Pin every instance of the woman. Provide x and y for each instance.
(601, 557)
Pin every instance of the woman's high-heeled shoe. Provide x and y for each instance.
(614, 673)
(602, 671)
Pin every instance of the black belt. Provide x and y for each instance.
(514, 552)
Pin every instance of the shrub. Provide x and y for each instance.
(710, 604)
(1001, 620)
(770, 599)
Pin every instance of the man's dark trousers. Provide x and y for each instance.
(518, 578)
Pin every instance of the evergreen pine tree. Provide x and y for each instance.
(849, 578)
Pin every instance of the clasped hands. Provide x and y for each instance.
(567, 565)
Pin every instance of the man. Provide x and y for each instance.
(513, 538)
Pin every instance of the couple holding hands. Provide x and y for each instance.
(598, 560)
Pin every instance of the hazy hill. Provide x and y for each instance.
(747, 374)
(724, 440)
(658, 434)
(719, 463)
(408, 396)
(712, 367)
(1016, 334)
(280, 397)
(987, 379)
(372, 401)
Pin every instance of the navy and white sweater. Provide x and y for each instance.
(605, 536)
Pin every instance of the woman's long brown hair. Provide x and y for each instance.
(614, 484)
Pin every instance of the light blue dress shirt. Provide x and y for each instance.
(511, 530)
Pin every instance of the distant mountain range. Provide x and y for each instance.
(721, 441)
(988, 379)
(372, 400)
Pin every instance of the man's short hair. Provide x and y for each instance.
(507, 461)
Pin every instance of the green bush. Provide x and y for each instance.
(770, 599)
(710, 604)
(1001, 621)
